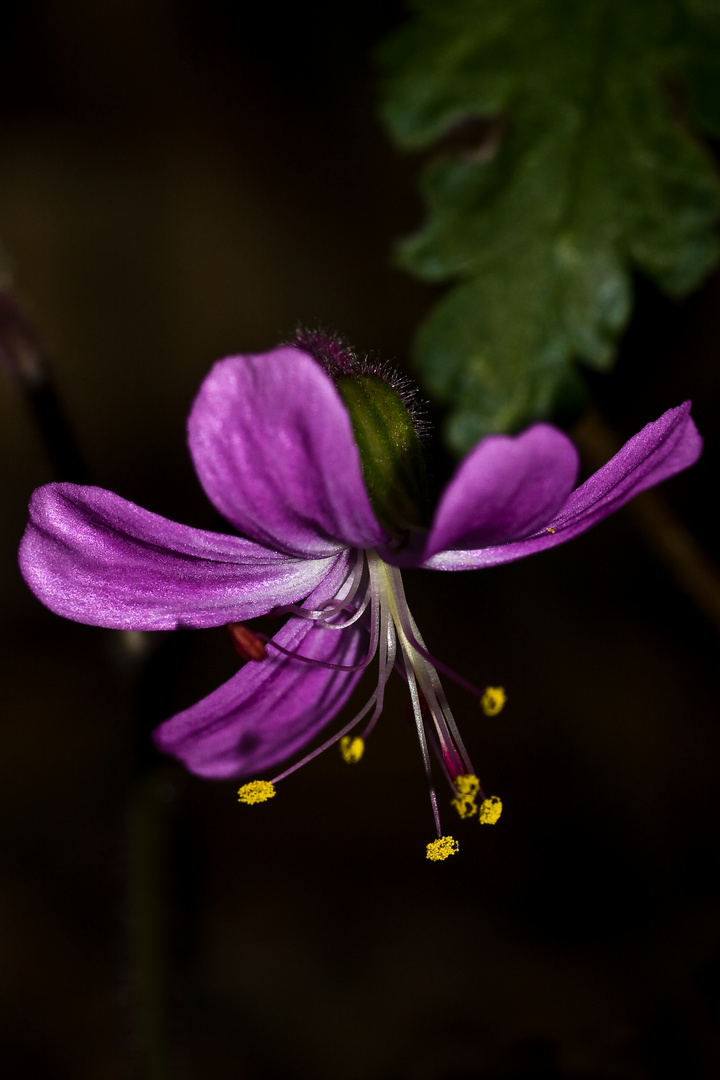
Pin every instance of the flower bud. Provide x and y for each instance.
(390, 452)
(385, 425)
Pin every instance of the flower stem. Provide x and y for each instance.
(668, 537)
(145, 838)
(23, 359)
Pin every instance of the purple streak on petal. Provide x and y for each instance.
(270, 709)
(660, 450)
(91, 556)
(273, 447)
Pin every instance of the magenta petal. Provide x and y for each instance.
(274, 450)
(91, 556)
(660, 450)
(271, 708)
(505, 488)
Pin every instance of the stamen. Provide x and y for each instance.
(318, 616)
(456, 755)
(467, 788)
(454, 751)
(444, 704)
(331, 607)
(470, 687)
(326, 745)
(321, 663)
(442, 847)
(246, 643)
(493, 700)
(390, 624)
(352, 749)
(387, 652)
(344, 625)
(412, 686)
(437, 750)
(490, 810)
(372, 649)
(256, 791)
(334, 738)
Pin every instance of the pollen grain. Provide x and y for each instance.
(351, 749)
(441, 848)
(493, 700)
(256, 791)
(467, 787)
(490, 810)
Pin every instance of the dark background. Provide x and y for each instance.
(183, 180)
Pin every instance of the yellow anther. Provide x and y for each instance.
(440, 849)
(467, 786)
(256, 791)
(550, 530)
(493, 700)
(351, 749)
(490, 810)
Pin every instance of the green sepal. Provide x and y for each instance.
(390, 453)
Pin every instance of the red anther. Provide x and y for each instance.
(246, 643)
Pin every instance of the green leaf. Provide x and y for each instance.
(702, 69)
(582, 169)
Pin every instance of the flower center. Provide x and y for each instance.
(377, 586)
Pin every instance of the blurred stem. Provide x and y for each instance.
(24, 361)
(146, 836)
(671, 541)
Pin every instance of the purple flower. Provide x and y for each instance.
(274, 447)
